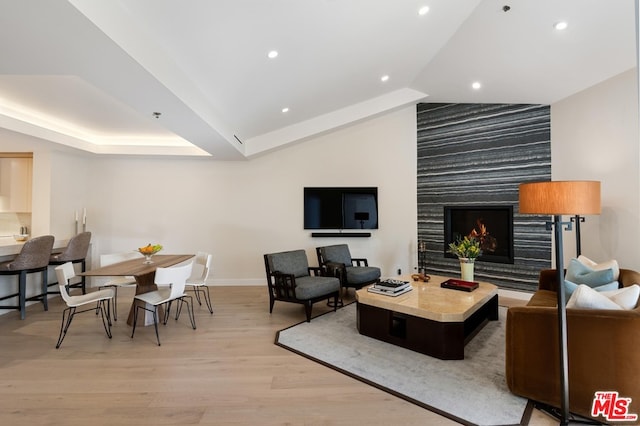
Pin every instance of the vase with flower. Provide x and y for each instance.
(467, 249)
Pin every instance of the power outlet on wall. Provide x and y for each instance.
(399, 271)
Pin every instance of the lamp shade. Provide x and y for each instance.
(560, 197)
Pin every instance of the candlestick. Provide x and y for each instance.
(84, 217)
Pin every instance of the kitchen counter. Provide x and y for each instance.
(11, 247)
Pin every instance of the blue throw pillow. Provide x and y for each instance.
(580, 273)
(570, 287)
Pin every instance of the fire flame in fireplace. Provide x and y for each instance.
(488, 243)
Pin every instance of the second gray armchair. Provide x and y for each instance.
(352, 272)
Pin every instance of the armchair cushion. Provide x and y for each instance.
(338, 254)
(362, 274)
(311, 286)
(290, 262)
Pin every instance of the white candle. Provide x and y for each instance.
(84, 217)
(76, 212)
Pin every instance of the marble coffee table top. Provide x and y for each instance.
(430, 301)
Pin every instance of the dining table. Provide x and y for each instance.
(144, 273)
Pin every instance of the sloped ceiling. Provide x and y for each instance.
(91, 74)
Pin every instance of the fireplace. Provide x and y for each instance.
(491, 225)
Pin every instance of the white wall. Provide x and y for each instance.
(594, 136)
(241, 210)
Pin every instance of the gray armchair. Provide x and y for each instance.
(290, 279)
(352, 272)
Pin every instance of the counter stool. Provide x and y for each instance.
(34, 257)
(75, 252)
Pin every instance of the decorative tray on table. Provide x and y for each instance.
(461, 285)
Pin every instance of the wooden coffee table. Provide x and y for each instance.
(429, 319)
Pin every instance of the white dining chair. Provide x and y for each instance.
(65, 273)
(116, 282)
(197, 282)
(171, 282)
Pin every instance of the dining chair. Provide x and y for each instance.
(116, 282)
(75, 252)
(33, 257)
(65, 273)
(197, 282)
(172, 282)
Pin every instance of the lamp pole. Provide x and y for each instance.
(562, 322)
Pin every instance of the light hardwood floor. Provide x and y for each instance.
(227, 372)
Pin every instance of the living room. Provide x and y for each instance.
(239, 210)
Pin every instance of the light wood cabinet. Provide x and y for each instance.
(15, 184)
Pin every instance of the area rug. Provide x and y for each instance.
(472, 391)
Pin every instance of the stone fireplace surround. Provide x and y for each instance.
(478, 154)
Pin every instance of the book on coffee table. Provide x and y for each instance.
(377, 290)
(456, 284)
(391, 283)
(391, 286)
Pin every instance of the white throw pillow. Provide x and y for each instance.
(584, 297)
(613, 264)
(626, 297)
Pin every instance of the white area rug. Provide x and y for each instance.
(472, 391)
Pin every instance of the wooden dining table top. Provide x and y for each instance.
(137, 267)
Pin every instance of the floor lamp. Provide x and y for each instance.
(559, 198)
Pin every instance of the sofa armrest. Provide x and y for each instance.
(599, 354)
(628, 277)
(548, 280)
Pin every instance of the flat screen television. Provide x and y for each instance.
(341, 208)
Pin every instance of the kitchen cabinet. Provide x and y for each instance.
(15, 184)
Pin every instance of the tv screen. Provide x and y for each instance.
(341, 208)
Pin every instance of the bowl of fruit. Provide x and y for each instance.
(149, 250)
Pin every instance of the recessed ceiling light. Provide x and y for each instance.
(272, 54)
(423, 10)
(384, 78)
(285, 110)
(476, 85)
(562, 25)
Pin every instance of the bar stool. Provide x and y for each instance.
(34, 257)
(75, 252)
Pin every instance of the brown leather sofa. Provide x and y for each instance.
(603, 349)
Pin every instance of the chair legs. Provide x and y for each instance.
(115, 300)
(154, 311)
(70, 312)
(307, 310)
(189, 310)
(166, 314)
(205, 294)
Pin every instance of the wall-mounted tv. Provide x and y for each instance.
(341, 208)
